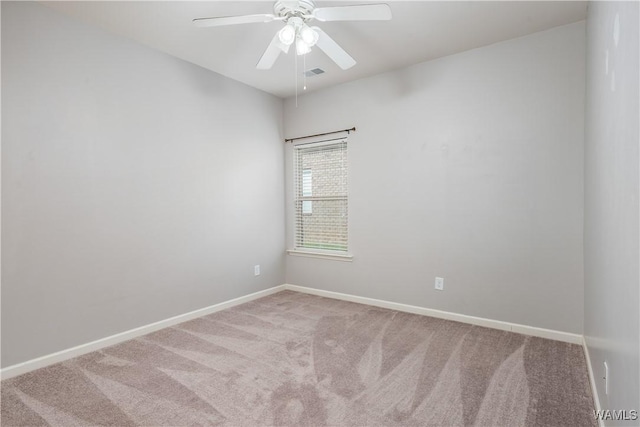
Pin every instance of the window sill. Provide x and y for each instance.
(321, 255)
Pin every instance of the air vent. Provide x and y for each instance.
(314, 72)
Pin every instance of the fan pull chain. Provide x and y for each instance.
(295, 58)
(304, 71)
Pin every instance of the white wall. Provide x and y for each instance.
(612, 189)
(135, 186)
(469, 167)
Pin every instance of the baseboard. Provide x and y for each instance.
(480, 321)
(60, 356)
(592, 380)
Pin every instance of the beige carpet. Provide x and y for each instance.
(296, 359)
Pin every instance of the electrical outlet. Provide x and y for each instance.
(439, 283)
(256, 270)
(606, 378)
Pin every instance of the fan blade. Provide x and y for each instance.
(233, 20)
(334, 51)
(365, 12)
(271, 53)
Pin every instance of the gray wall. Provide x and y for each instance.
(135, 186)
(611, 231)
(470, 168)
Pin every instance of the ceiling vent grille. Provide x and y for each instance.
(314, 72)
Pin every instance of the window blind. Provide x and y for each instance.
(321, 196)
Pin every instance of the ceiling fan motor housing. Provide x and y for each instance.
(289, 8)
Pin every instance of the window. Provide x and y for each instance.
(320, 192)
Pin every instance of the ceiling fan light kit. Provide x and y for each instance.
(297, 14)
(296, 30)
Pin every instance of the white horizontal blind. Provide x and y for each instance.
(307, 191)
(321, 196)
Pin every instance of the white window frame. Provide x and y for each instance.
(316, 252)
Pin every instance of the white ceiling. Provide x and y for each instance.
(419, 31)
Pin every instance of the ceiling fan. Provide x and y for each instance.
(297, 15)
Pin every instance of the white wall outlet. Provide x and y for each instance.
(256, 270)
(606, 378)
(439, 283)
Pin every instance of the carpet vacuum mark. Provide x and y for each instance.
(292, 359)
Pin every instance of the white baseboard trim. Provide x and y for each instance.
(592, 380)
(60, 356)
(479, 321)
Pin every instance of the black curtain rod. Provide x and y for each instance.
(353, 129)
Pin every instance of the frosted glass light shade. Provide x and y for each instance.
(287, 34)
(302, 48)
(308, 35)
